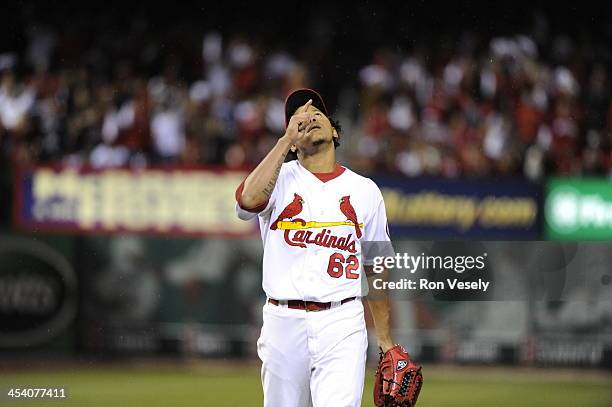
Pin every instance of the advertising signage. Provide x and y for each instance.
(154, 201)
(458, 209)
(578, 209)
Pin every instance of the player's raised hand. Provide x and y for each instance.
(298, 123)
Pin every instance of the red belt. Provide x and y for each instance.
(309, 305)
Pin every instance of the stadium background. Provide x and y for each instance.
(124, 274)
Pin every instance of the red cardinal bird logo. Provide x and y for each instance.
(348, 211)
(290, 211)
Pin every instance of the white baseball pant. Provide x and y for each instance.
(313, 358)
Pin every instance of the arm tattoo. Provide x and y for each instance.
(270, 187)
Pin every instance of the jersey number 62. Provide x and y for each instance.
(336, 266)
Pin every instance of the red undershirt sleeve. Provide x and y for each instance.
(255, 209)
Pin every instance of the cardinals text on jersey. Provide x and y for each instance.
(312, 229)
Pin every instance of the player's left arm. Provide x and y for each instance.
(377, 242)
(378, 302)
(398, 380)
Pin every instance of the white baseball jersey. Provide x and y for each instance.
(312, 229)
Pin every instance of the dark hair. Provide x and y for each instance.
(336, 125)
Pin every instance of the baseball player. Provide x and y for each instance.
(314, 215)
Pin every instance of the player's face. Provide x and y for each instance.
(319, 132)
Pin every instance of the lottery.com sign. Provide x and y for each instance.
(180, 202)
(578, 209)
(487, 208)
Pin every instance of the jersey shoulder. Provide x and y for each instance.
(287, 168)
(290, 165)
(363, 181)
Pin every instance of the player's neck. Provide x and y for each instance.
(321, 162)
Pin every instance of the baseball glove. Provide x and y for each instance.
(398, 379)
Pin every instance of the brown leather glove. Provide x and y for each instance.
(398, 380)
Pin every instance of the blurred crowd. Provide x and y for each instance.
(506, 108)
(104, 108)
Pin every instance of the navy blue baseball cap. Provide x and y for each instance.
(298, 98)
